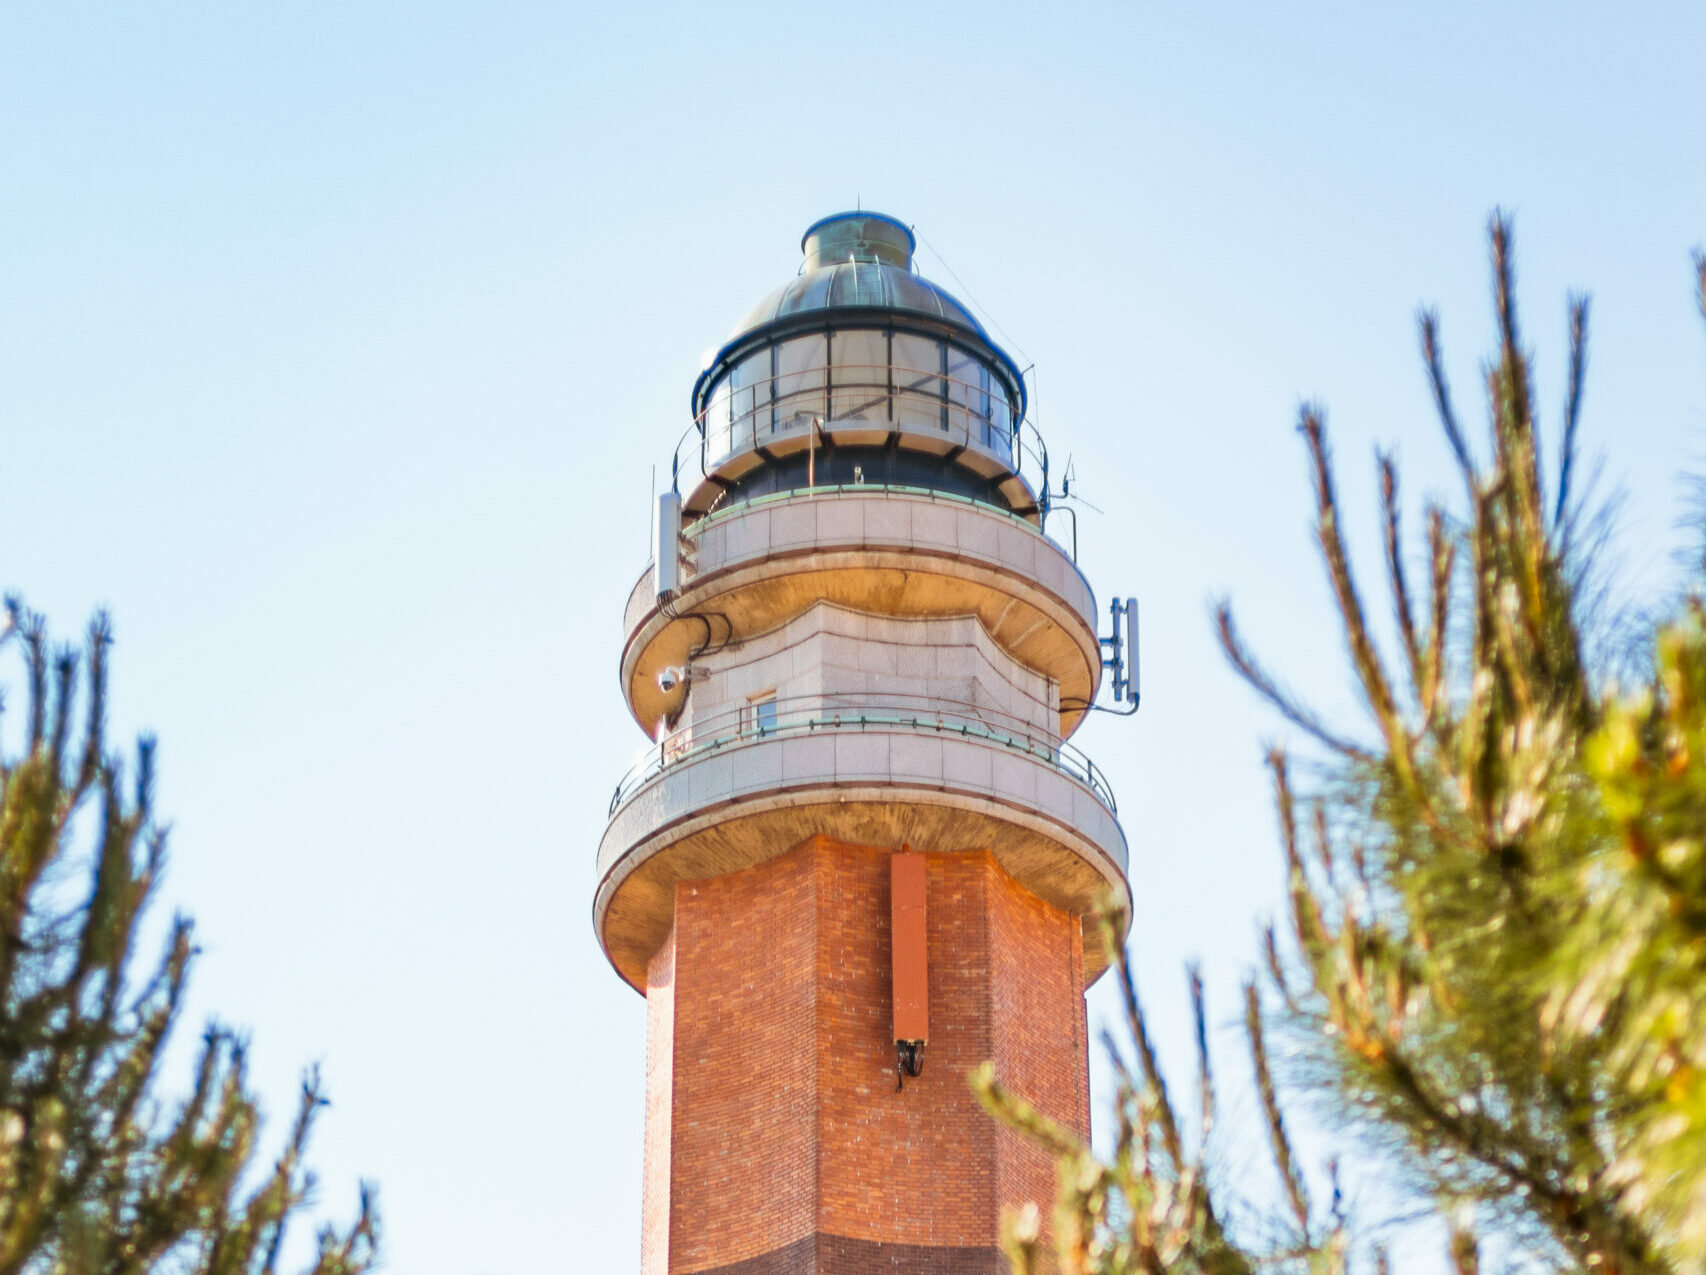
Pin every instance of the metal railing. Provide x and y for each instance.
(641, 598)
(937, 494)
(757, 721)
(777, 407)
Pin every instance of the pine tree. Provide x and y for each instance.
(100, 1173)
(1497, 899)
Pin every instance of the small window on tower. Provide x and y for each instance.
(758, 714)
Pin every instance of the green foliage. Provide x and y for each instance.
(1150, 1208)
(1497, 902)
(1632, 957)
(98, 1172)
(1146, 1209)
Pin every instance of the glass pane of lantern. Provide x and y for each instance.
(860, 375)
(918, 381)
(801, 368)
(751, 381)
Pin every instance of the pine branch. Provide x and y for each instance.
(1395, 572)
(1427, 322)
(1572, 418)
(1240, 658)
(1365, 661)
(1442, 560)
(1296, 1193)
(91, 1181)
(1137, 1027)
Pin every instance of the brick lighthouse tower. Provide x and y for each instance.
(856, 859)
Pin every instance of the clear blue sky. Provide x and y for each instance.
(337, 343)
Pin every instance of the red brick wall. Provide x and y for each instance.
(1038, 1045)
(783, 1122)
(914, 1166)
(660, 1092)
(742, 1136)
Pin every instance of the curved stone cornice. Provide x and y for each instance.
(757, 565)
(728, 809)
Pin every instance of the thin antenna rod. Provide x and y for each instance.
(967, 291)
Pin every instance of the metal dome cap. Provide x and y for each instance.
(863, 236)
(857, 265)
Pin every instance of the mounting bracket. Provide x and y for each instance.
(1121, 654)
(908, 1061)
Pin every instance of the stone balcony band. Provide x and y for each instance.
(870, 548)
(876, 778)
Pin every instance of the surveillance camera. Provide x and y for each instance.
(669, 679)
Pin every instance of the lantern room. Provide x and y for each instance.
(858, 371)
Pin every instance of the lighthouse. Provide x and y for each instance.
(858, 854)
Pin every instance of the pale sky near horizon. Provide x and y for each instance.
(338, 343)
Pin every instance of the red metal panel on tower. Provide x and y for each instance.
(911, 954)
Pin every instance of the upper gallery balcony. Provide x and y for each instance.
(901, 552)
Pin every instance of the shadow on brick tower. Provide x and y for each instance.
(856, 859)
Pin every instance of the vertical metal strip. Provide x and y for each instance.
(908, 882)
